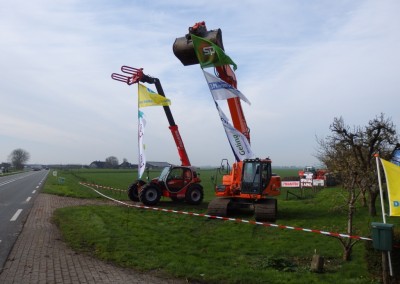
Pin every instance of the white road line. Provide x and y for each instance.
(37, 187)
(33, 192)
(15, 217)
(29, 198)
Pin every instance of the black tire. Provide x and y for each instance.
(150, 195)
(133, 190)
(194, 194)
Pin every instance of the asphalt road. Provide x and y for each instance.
(17, 193)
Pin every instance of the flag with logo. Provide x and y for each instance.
(392, 173)
(221, 90)
(142, 156)
(210, 54)
(148, 97)
(239, 143)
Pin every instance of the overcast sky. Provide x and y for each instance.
(300, 63)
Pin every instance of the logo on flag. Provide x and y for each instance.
(221, 90)
(210, 54)
(239, 143)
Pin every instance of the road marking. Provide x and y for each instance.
(34, 191)
(37, 187)
(29, 198)
(16, 215)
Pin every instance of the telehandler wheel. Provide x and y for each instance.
(150, 195)
(133, 190)
(194, 194)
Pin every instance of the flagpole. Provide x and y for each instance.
(380, 188)
(138, 135)
(383, 208)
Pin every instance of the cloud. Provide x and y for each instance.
(300, 64)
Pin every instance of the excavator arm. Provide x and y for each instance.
(137, 75)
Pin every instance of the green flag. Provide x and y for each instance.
(210, 54)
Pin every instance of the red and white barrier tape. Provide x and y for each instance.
(332, 234)
(103, 187)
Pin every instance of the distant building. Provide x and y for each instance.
(97, 165)
(127, 165)
(4, 167)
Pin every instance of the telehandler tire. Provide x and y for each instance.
(194, 194)
(133, 190)
(150, 195)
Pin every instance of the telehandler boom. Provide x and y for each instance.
(176, 182)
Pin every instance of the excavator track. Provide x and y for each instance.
(218, 207)
(265, 210)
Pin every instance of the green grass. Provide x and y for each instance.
(213, 251)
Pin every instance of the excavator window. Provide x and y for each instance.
(251, 177)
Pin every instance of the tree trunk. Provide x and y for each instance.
(347, 252)
(363, 199)
(372, 202)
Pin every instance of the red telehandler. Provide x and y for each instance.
(180, 183)
(250, 183)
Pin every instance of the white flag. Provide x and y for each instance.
(142, 156)
(221, 90)
(239, 143)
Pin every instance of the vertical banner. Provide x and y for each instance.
(392, 173)
(239, 143)
(220, 90)
(142, 156)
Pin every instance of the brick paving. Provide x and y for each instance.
(40, 256)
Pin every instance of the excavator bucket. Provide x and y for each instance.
(183, 46)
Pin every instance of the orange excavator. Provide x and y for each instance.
(179, 183)
(250, 182)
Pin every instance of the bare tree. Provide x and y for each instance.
(18, 158)
(349, 153)
(360, 144)
(112, 162)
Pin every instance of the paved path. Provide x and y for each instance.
(40, 256)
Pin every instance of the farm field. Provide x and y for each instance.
(214, 251)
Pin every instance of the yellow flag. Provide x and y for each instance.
(392, 173)
(147, 97)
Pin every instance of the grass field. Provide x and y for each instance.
(212, 251)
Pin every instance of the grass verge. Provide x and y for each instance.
(212, 251)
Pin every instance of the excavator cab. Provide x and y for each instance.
(256, 175)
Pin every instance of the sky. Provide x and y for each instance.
(300, 63)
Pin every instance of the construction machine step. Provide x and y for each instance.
(218, 207)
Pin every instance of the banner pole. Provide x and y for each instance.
(380, 188)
